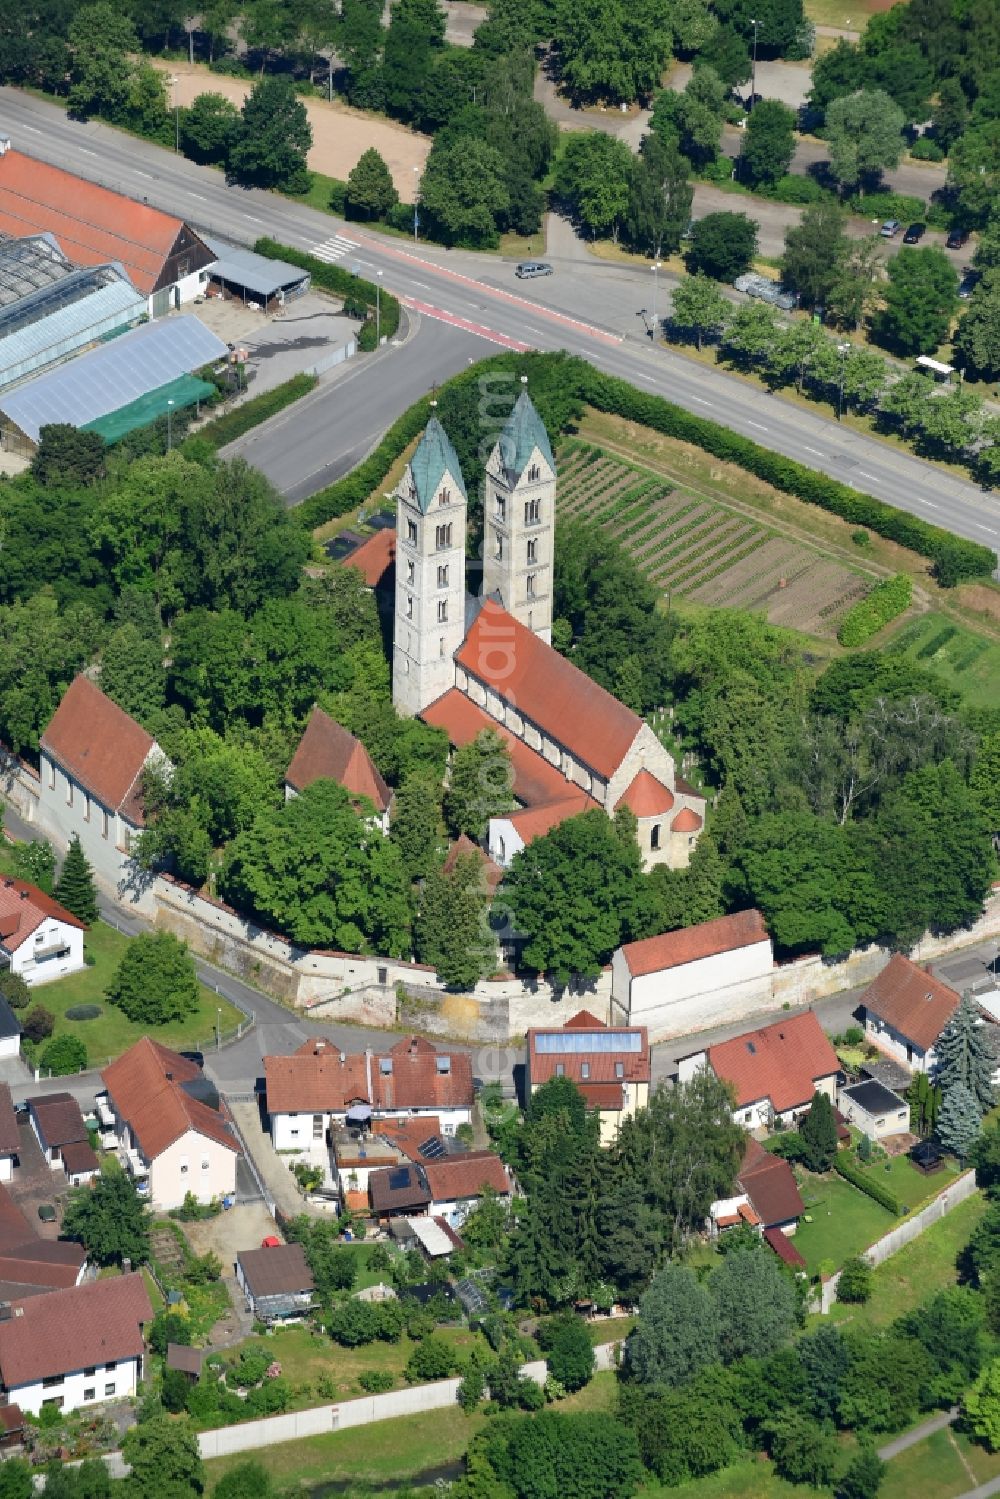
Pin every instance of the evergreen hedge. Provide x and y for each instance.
(954, 558)
(847, 1167)
(233, 424)
(353, 289)
(887, 600)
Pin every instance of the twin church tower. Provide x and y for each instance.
(432, 506)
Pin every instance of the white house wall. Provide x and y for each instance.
(118, 1383)
(210, 1171)
(65, 808)
(897, 1046)
(43, 970)
(693, 996)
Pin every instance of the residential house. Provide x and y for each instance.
(874, 1109)
(185, 1360)
(774, 1072)
(172, 1131)
(458, 1183)
(163, 257)
(276, 1281)
(57, 1122)
(693, 978)
(75, 1348)
(29, 1264)
(327, 752)
(10, 1135)
(320, 1086)
(905, 1010)
(610, 1066)
(91, 760)
(767, 1196)
(397, 1191)
(375, 559)
(10, 1037)
(80, 1162)
(39, 939)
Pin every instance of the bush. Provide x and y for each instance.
(64, 1055)
(249, 1369)
(354, 1323)
(530, 1396)
(376, 1381)
(887, 601)
(83, 1012)
(795, 189)
(571, 1353)
(888, 206)
(39, 1024)
(432, 1358)
(223, 429)
(174, 1391)
(848, 1168)
(855, 1283)
(925, 148)
(14, 990)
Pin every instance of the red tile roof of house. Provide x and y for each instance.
(327, 751)
(911, 1000)
(584, 1020)
(535, 822)
(691, 943)
(100, 1322)
(59, 1118)
(467, 1175)
(563, 1048)
(92, 224)
(79, 1156)
(463, 846)
(407, 1135)
(686, 821)
(98, 745)
(23, 908)
(646, 796)
(535, 780)
(607, 1097)
(782, 1062)
(769, 1182)
(784, 1248)
(375, 558)
(548, 689)
(315, 1080)
(144, 1085)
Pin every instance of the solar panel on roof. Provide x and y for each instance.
(433, 1148)
(549, 1042)
(399, 1179)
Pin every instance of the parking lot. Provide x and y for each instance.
(303, 334)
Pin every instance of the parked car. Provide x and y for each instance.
(752, 99)
(914, 234)
(766, 290)
(957, 238)
(890, 229)
(967, 285)
(527, 269)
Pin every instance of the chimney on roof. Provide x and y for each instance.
(23, 894)
(343, 1058)
(4, 144)
(413, 1046)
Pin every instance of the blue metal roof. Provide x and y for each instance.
(524, 431)
(98, 311)
(257, 273)
(433, 458)
(112, 376)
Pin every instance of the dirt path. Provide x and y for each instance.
(340, 134)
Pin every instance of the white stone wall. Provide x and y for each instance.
(423, 645)
(117, 1383)
(194, 1163)
(694, 996)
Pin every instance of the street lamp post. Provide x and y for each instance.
(655, 268)
(843, 350)
(378, 309)
(753, 66)
(170, 428)
(174, 82)
(416, 204)
(218, 1028)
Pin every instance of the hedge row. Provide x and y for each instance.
(353, 289)
(227, 428)
(887, 600)
(848, 1168)
(954, 558)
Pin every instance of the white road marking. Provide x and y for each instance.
(758, 425)
(701, 400)
(815, 452)
(334, 248)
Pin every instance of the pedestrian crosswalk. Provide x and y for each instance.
(334, 248)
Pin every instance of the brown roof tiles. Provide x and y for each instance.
(10, 1138)
(535, 780)
(98, 744)
(646, 796)
(536, 681)
(23, 908)
(782, 1062)
(413, 1074)
(375, 558)
(769, 1182)
(280, 1270)
(59, 1119)
(911, 1000)
(689, 944)
(145, 1086)
(468, 1175)
(96, 1323)
(328, 752)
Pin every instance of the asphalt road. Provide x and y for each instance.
(592, 311)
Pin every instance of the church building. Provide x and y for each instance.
(487, 663)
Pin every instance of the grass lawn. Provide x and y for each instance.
(112, 1033)
(304, 1356)
(968, 661)
(752, 1479)
(909, 1186)
(848, 15)
(921, 1268)
(610, 1329)
(945, 1464)
(844, 1221)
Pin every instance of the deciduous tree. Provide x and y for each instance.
(699, 307)
(269, 147)
(768, 142)
(480, 782)
(723, 245)
(865, 135)
(920, 300)
(109, 1218)
(756, 1303)
(164, 1451)
(678, 1330)
(815, 249)
(155, 982)
(371, 192)
(612, 49)
(464, 189)
(208, 128)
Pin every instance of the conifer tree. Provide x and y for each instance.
(75, 889)
(965, 1055)
(958, 1125)
(818, 1132)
